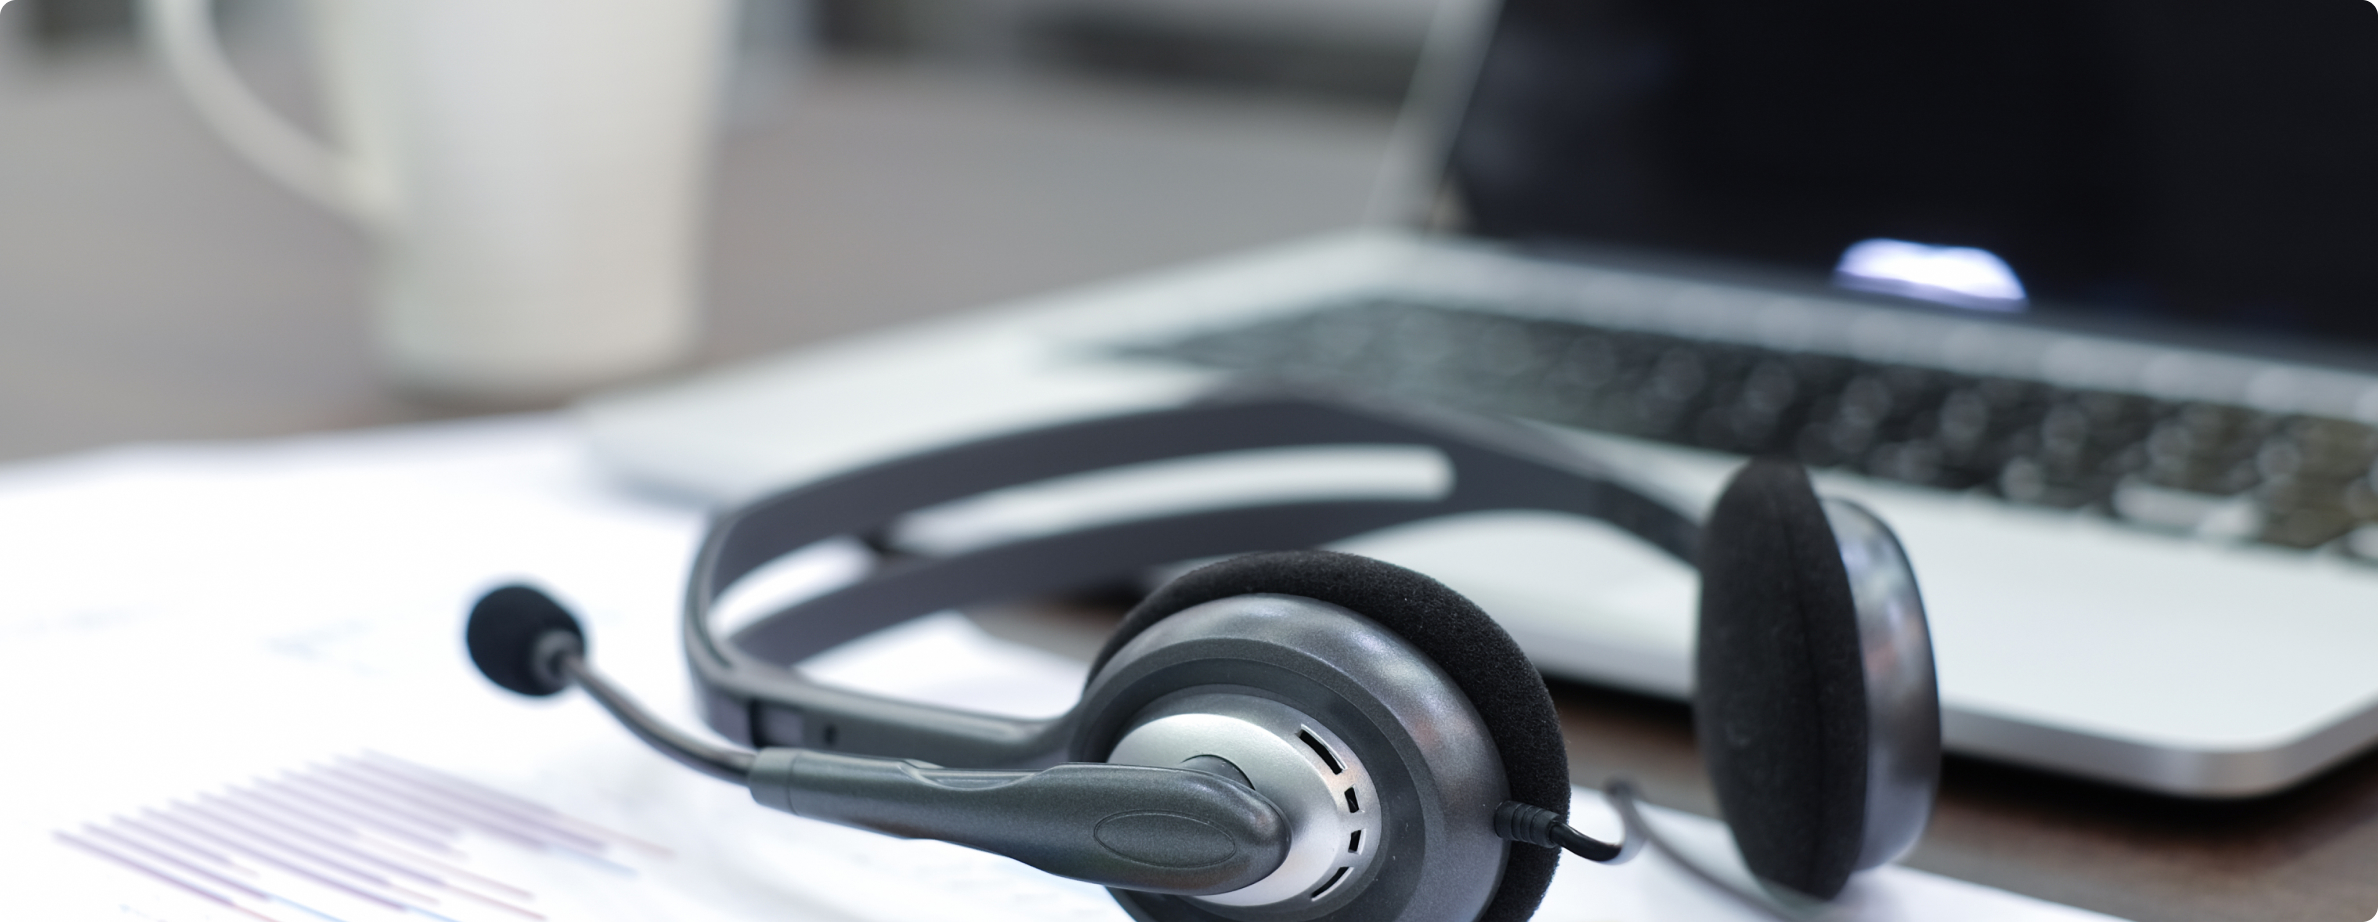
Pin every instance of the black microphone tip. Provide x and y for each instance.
(515, 633)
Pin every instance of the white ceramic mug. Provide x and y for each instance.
(532, 172)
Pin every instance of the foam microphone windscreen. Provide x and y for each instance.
(503, 636)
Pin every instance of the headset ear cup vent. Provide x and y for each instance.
(1780, 691)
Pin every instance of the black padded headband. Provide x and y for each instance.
(750, 696)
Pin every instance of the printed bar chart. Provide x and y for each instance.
(357, 838)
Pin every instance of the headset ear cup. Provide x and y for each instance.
(1780, 699)
(1481, 659)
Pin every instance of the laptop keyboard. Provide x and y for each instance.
(2219, 471)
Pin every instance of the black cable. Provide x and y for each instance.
(721, 762)
(1582, 845)
(1518, 822)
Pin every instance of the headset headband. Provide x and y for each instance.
(751, 696)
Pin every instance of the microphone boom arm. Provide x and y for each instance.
(1133, 827)
(724, 763)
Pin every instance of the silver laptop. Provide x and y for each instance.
(2083, 304)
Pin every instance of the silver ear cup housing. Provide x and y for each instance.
(1234, 676)
(1292, 759)
(1902, 691)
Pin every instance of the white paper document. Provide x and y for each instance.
(237, 690)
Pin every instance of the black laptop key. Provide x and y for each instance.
(2314, 484)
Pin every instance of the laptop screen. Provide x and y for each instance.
(2208, 161)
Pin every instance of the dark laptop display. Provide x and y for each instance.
(2209, 161)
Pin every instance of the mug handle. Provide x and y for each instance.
(182, 35)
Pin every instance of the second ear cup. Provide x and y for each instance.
(1472, 651)
(1780, 701)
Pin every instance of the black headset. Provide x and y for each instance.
(1296, 734)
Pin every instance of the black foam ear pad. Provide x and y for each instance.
(1780, 698)
(1473, 650)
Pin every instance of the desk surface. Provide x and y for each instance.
(150, 287)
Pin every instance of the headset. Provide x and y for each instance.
(1293, 734)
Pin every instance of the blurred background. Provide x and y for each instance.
(881, 160)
